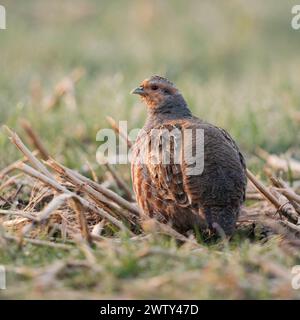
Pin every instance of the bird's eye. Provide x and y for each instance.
(154, 87)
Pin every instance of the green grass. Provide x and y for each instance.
(237, 65)
(156, 269)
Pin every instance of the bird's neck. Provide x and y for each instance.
(169, 110)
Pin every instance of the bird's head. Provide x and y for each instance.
(158, 92)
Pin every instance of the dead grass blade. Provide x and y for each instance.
(40, 242)
(10, 181)
(15, 139)
(78, 208)
(120, 182)
(19, 213)
(34, 139)
(65, 89)
(12, 166)
(58, 187)
(116, 128)
(284, 189)
(278, 163)
(152, 225)
(271, 198)
(80, 180)
(80, 185)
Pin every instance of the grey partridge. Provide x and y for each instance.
(170, 191)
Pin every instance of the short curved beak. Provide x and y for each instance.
(138, 90)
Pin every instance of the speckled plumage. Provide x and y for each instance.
(210, 200)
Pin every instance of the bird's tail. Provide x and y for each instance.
(221, 220)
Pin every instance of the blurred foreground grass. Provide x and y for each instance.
(237, 63)
(152, 269)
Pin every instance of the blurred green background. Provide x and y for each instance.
(236, 62)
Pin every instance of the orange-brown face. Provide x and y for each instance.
(155, 91)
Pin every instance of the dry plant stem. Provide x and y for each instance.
(39, 242)
(10, 181)
(111, 195)
(116, 128)
(291, 226)
(95, 195)
(270, 197)
(19, 213)
(34, 138)
(47, 178)
(52, 206)
(287, 192)
(44, 215)
(65, 89)
(34, 161)
(106, 192)
(6, 201)
(278, 163)
(55, 185)
(166, 229)
(254, 196)
(276, 227)
(12, 166)
(76, 205)
(290, 195)
(14, 223)
(37, 195)
(120, 182)
(95, 178)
